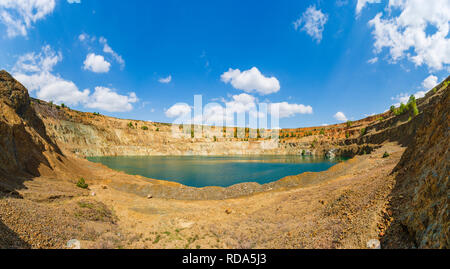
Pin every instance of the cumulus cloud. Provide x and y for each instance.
(96, 63)
(107, 99)
(251, 81)
(109, 50)
(165, 80)
(313, 22)
(286, 110)
(362, 3)
(178, 110)
(404, 97)
(35, 71)
(404, 29)
(241, 104)
(340, 116)
(18, 16)
(430, 82)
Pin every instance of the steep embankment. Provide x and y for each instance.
(36, 177)
(421, 197)
(25, 149)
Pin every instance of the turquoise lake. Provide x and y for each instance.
(224, 171)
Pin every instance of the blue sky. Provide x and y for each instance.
(312, 59)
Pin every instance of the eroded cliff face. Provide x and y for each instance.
(87, 134)
(25, 148)
(423, 175)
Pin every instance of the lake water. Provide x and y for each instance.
(224, 171)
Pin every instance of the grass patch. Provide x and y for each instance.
(82, 184)
(158, 237)
(94, 211)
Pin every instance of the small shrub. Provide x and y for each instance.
(386, 154)
(392, 109)
(130, 125)
(63, 105)
(157, 129)
(215, 138)
(82, 184)
(322, 131)
(145, 128)
(349, 124)
(158, 237)
(363, 131)
(415, 109)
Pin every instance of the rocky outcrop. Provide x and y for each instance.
(423, 177)
(25, 148)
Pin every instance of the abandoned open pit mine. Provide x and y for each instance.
(384, 177)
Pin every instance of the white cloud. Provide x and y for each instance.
(35, 71)
(73, 1)
(165, 80)
(19, 15)
(373, 60)
(286, 110)
(407, 35)
(178, 110)
(96, 63)
(215, 113)
(106, 99)
(109, 50)
(404, 97)
(362, 3)
(430, 82)
(251, 81)
(340, 116)
(313, 22)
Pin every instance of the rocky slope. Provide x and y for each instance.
(25, 148)
(421, 196)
